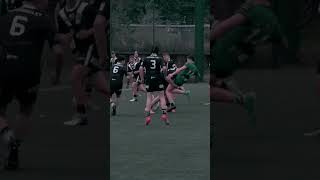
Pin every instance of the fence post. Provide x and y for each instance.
(199, 36)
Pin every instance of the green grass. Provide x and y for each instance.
(179, 152)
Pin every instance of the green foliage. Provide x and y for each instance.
(164, 11)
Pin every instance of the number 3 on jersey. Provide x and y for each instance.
(153, 64)
(115, 70)
(18, 25)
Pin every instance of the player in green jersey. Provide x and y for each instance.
(253, 23)
(178, 78)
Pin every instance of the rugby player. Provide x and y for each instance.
(102, 32)
(60, 49)
(254, 23)
(114, 58)
(136, 56)
(151, 74)
(118, 72)
(23, 34)
(137, 85)
(76, 21)
(130, 69)
(169, 68)
(178, 78)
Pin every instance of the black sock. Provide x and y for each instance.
(135, 96)
(164, 111)
(147, 113)
(81, 109)
(172, 105)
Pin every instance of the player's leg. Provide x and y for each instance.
(163, 104)
(142, 88)
(134, 91)
(59, 54)
(180, 91)
(27, 99)
(226, 91)
(148, 108)
(101, 84)
(89, 91)
(155, 104)
(112, 97)
(79, 74)
(115, 101)
(171, 97)
(6, 132)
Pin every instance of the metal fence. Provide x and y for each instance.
(176, 39)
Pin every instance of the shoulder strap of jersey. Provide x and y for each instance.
(80, 10)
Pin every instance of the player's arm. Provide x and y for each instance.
(177, 71)
(141, 73)
(87, 26)
(64, 35)
(99, 27)
(126, 74)
(136, 72)
(170, 81)
(226, 25)
(164, 68)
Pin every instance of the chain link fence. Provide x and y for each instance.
(139, 26)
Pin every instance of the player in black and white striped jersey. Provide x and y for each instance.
(76, 22)
(130, 69)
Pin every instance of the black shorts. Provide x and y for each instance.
(155, 83)
(116, 88)
(18, 81)
(25, 96)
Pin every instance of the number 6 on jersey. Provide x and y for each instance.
(17, 26)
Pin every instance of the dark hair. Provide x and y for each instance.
(165, 53)
(191, 58)
(155, 50)
(120, 58)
